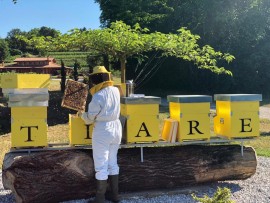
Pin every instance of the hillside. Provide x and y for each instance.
(70, 57)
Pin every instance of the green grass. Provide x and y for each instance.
(262, 152)
(261, 145)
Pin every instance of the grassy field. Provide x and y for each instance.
(59, 133)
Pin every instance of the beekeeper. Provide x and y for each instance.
(103, 113)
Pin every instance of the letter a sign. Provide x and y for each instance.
(143, 128)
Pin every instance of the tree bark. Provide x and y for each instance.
(55, 176)
(123, 69)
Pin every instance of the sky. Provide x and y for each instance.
(62, 15)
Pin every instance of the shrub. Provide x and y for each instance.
(222, 195)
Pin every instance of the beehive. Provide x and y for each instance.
(28, 98)
(142, 115)
(25, 81)
(237, 115)
(192, 113)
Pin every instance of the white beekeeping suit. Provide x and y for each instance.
(104, 112)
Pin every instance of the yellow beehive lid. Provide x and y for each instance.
(238, 97)
(189, 98)
(25, 80)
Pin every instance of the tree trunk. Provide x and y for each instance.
(123, 69)
(55, 176)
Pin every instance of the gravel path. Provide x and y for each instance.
(264, 112)
(253, 190)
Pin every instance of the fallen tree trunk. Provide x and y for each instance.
(55, 176)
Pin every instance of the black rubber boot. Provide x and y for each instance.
(100, 194)
(112, 194)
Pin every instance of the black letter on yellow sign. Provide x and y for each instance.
(195, 127)
(87, 132)
(29, 131)
(245, 124)
(145, 129)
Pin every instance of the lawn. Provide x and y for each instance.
(58, 126)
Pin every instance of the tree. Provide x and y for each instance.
(63, 76)
(4, 50)
(122, 41)
(46, 32)
(39, 43)
(238, 27)
(75, 71)
(33, 32)
(147, 13)
(14, 42)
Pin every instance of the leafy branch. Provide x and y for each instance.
(122, 41)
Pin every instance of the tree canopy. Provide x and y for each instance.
(238, 27)
(4, 50)
(148, 13)
(121, 41)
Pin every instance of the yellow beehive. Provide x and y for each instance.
(29, 133)
(79, 132)
(25, 80)
(142, 123)
(192, 113)
(237, 115)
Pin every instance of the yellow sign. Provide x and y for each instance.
(29, 133)
(79, 132)
(142, 129)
